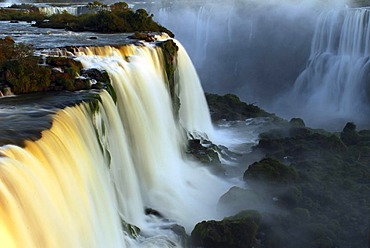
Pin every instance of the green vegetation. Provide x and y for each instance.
(120, 19)
(117, 18)
(270, 170)
(125, 21)
(22, 12)
(19, 69)
(21, 72)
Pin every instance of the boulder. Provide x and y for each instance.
(349, 135)
(238, 231)
(271, 171)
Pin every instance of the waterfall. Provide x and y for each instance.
(100, 165)
(335, 83)
(155, 137)
(51, 10)
(56, 192)
(237, 45)
(194, 112)
(73, 9)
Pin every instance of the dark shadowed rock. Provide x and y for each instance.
(297, 122)
(230, 108)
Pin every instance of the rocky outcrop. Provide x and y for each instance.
(238, 231)
(22, 72)
(169, 49)
(230, 108)
(271, 171)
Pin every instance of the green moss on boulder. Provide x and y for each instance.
(270, 170)
(238, 231)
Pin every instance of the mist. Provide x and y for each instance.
(258, 50)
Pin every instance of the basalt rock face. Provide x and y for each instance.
(169, 49)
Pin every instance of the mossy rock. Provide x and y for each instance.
(202, 153)
(169, 50)
(64, 63)
(297, 122)
(145, 36)
(231, 108)
(238, 231)
(130, 229)
(98, 75)
(299, 131)
(271, 171)
(349, 134)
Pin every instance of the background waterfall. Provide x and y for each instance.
(105, 162)
(262, 50)
(335, 83)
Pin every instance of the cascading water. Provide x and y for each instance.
(101, 165)
(335, 83)
(73, 10)
(155, 139)
(258, 50)
(49, 10)
(56, 191)
(194, 114)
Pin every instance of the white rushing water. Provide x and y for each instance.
(104, 163)
(50, 10)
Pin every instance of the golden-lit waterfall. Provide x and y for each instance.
(56, 192)
(99, 165)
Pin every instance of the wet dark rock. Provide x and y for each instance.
(82, 84)
(145, 36)
(170, 49)
(151, 211)
(205, 154)
(63, 62)
(185, 240)
(98, 75)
